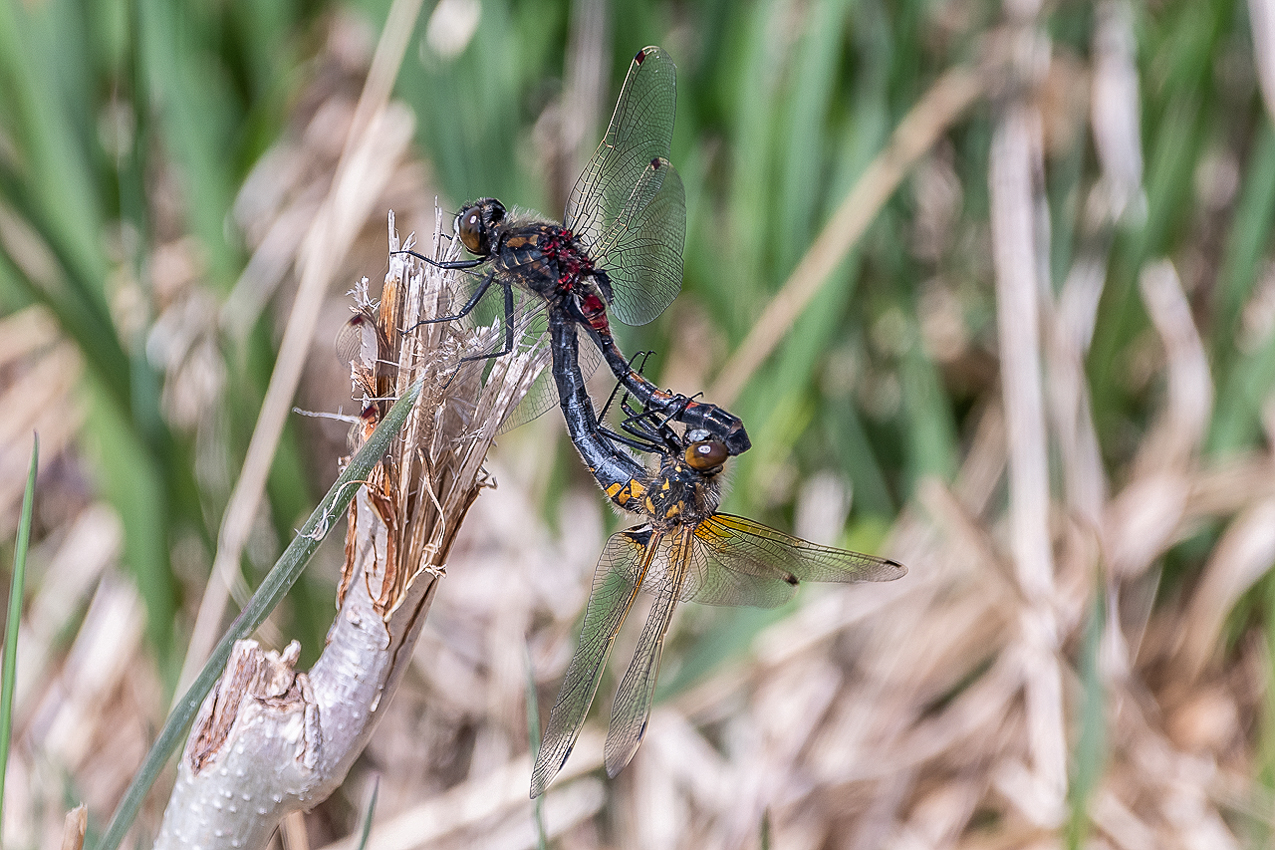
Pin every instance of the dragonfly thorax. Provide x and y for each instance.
(680, 493)
(549, 260)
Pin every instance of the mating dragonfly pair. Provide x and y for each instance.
(619, 249)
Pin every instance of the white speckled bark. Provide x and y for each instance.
(269, 740)
(292, 736)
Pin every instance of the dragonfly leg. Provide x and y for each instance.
(646, 425)
(509, 322)
(641, 430)
(632, 439)
(675, 410)
(643, 356)
(450, 264)
(465, 310)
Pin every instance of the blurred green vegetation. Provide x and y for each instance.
(781, 106)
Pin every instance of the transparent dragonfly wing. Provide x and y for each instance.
(361, 346)
(642, 253)
(742, 562)
(619, 573)
(526, 316)
(529, 333)
(544, 391)
(632, 707)
(608, 196)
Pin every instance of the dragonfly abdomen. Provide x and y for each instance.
(621, 477)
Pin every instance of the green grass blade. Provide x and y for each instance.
(280, 578)
(1090, 752)
(756, 74)
(10, 670)
(194, 117)
(1249, 237)
(857, 457)
(778, 406)
(366, 831)
(800, 158)
(37, 111)
(933, 445)
(1244, 379)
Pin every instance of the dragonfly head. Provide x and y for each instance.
(703, 453)
(476, 223)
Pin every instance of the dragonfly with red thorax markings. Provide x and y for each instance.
(617, 252)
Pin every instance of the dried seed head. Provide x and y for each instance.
(408, 515)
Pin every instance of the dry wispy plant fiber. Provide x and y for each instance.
(270, 740)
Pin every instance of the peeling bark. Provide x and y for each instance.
(270, 740)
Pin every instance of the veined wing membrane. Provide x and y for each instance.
(746, 562)
(640, 131)
(529, 326)
(530, 331)
(632, 707)
(620, 570)
(543, 393)
(642, 252)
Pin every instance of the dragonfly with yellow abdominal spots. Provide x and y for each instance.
(684, 551)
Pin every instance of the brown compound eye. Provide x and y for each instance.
(706, 454)
(473, 231)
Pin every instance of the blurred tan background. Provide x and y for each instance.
(990, 284)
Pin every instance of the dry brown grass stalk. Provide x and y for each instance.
(378, 136)
(1016, 176)
(269, 740)
(76, 823)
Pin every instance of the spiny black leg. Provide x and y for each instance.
(644, 441)
(606, 408)
(509, 326)
(631, 414)
(655, 427)
(646, 426)
(640, 424)
(452, 376)
(644, 356)
(637, 436)
(641, 444)
(450, 264)
(675, 410)
(464, 311)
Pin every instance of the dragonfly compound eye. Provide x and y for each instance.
(473, 231)
(706, 455)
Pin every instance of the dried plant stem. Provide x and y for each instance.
(73, 828)
(376, 142)
(1020, 255)
(499, 791)
(916, 134)
(270, 740)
